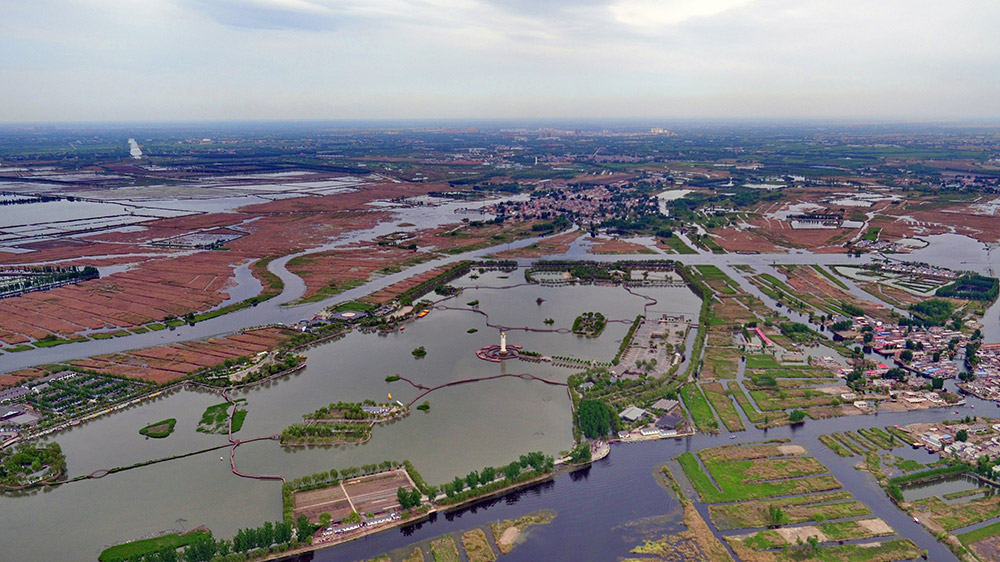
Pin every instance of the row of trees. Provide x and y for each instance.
(334, 476)
(263, 536)
(326, 433)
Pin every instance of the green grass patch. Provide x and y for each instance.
(238, 419)
(964, 493)
(786, 398)
(762, 361)
(215, 419)
(849, 443)
(160, 429)
(724, 406)
(757, 478)
(717, 280)
(676, 245)
(830, 277)
(140, 330)
(17, 348)
(928, 474)
(834, 446)
(814, 507)
(697, 405)
(980, 534)
(156, 326)
(137, 549)
(751, 413)
(52, 342)
(902, 435)
(444, 550)
(957, 515)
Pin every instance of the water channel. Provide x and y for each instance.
(467, 427)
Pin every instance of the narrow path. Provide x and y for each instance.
(237, 442)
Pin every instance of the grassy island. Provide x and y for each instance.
(160, 429)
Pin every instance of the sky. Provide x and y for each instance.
(167, 60)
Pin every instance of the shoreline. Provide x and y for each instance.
(558, 471)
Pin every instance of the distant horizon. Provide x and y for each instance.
(526, 122)
(231, 60)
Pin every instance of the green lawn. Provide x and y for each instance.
(160, 429)
(136, 549)
(761, 361)
(752, 413)
(745, 480)
(677, 245)
(724, 406)
(980, 534)
(696, 403)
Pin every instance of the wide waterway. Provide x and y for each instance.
(468, 426)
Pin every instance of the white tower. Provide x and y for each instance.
(503, 342)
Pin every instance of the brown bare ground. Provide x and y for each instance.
(174, 284)
(338, 268)
(552, 245)
(745, 240)
(392, 291)
(602, 246)
(793, 534)
(169, 363)
(378, 492)
(312, 503)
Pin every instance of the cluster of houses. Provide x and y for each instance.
(987, 371)
(942, 439)
(669, 422)
(879, 246)
(890, 340)
(919, 270)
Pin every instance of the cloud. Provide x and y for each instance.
(269, 14)
(658, 13)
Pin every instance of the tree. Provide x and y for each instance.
(303, 528)
(594, 418)
(775, 516)
(512, 470)
(962, 435)
(937, 383)
(796, 416)
(403, 497)
(458, 484)
(487, 475)
(472, 480)
(906, 356)
(812, 544)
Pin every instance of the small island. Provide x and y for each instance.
(589, 324)
(419, 352)
(28, 465)
(160, 429)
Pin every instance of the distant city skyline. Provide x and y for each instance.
(193, 60)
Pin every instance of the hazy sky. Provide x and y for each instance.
(96, 60)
